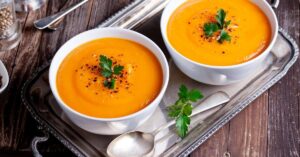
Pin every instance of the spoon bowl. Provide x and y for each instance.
(132, 144)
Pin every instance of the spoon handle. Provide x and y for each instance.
(47, 21)
(210, 102)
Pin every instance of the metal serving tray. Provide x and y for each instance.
(144, 16)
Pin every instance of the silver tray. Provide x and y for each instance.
(143, 16)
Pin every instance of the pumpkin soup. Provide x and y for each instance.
(219, 32)
(109, 78)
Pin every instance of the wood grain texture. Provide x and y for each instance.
(249, 130)
(216, 146)
(268, 127)
(13, 114)
(245, 135)
(284, 104)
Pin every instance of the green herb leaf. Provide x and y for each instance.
(220, 17)
(174, 111)
(105, 63)
(227, 23)
(108, 71)
(210, 29)
(194, 95)
(182, 108)
(118, 69)
(224, 36)
(112, 84)
(187, 109)
(183, 92)
(182, 123)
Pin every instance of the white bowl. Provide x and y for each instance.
(217, 75)
(108, 126)
(5, 77)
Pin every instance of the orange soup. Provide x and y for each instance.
(246, 25)
(91, 81)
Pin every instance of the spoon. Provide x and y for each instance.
(137, 143)
(49, 20)
(56, 25)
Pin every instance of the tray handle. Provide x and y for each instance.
(36, 140)
(274, 3)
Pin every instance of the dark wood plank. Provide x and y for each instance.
(74, 23)
(245, 135)
(216, 146)
(284, 104)
(13, 114)
(100, 11)
(248, 132)
(8, 58)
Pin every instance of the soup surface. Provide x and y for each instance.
(81, 84)
(249, 30)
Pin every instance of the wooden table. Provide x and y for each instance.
(269, 127)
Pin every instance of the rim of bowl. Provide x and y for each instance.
(5, 76)
(270, 45)
(163, 63)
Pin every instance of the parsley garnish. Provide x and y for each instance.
(219, 26)
(108, 71)
(210, 29)
(224, 36)
(118, 69)
(220, 17)
(182, 109)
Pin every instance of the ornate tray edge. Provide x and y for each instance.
(119, 13)
(250, 99)
(42, 123)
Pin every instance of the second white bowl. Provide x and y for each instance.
(217, 75)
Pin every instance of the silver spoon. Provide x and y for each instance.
(56, 25)
(49, 20)
(137, 143)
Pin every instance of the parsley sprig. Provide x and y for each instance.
(182, 109)
(108, 71)
(220, 25)
(210, 28)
